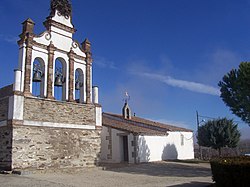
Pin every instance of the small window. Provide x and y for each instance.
(182, 139)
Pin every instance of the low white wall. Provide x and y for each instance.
(177, 145)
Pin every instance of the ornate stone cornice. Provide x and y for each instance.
(49, 22)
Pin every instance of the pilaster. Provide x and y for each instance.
(51, 49)
(71, 75)
(88, 78)
(28, 57)
(86, 46)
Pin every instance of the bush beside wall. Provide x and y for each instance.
(231, 171)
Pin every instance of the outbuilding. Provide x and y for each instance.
(132, 139)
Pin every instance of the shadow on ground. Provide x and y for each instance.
(193, 184)
(162, 169)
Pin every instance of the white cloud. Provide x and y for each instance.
(8, 38)
(187, 85)
(104, 63)
(217, 62)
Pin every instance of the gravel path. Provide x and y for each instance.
(159, 174)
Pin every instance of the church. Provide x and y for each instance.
(50, 117)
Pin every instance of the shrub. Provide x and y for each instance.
(231, 171)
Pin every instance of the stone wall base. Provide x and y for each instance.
(41, 148)
(5, 148)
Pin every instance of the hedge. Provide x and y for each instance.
(231, 171)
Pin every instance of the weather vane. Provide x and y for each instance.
(126, 97)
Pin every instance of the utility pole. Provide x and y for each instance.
(198, 125)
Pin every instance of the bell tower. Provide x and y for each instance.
(126, 111)
(52, 103)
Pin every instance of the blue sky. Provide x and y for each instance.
(169, 55)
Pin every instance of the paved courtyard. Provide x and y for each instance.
(158, 174)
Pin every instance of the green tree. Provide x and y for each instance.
(235, 91)
(218, 133)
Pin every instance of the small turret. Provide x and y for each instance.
(28, 26)
(126, 112)
(86, 46)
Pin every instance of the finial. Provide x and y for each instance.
(126, 97)
(63, 6)
(86, 46)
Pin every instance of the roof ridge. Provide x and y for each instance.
(151, 123)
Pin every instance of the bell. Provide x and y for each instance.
(37, 77)
(58, 81)
(77, 85)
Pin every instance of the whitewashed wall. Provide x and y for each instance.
(104, 144)
(177, 145)
(156, 148)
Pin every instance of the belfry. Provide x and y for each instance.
(50, 116)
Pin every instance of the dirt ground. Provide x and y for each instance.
(158, 174)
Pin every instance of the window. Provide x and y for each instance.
(182, 139)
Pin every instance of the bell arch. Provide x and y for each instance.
(38, 78)
(60, 77)
(79, 85)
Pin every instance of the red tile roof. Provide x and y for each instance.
(138, 125)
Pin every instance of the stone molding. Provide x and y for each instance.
(49, 22)
(45, 47)
(57, 125)
(19, 93)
